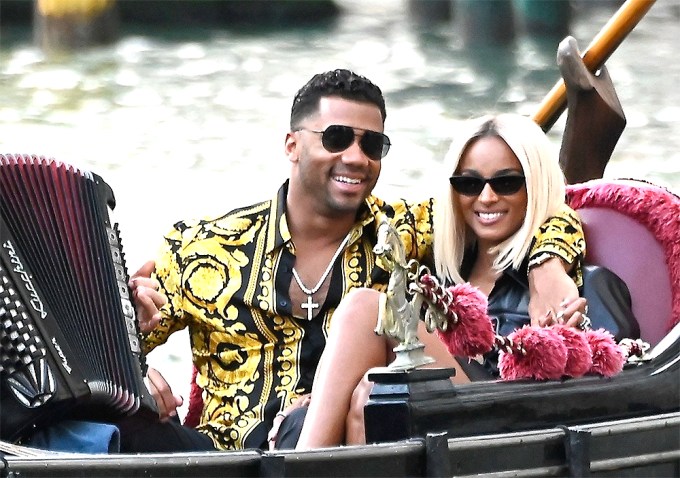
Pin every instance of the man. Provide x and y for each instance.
(257, 287)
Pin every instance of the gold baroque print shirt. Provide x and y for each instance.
(561, 236)
(227, 280)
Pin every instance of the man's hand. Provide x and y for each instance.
(553, 295)
(160, 390)
(301, 401)
(146, 297)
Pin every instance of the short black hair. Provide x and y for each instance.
(342, 83)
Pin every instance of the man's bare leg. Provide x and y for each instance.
(351, 350)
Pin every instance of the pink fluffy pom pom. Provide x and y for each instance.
(544, 357)
(579, 355)
(473, 334)
(608, 356)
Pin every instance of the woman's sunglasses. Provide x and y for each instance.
(336, 138)
(504, 185)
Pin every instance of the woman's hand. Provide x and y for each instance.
(571, 314)
(301, 401)
(553, 296)
(147, 299)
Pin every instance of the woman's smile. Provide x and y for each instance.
(492, 217)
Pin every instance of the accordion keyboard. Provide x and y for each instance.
(22, 351)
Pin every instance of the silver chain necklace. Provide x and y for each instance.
(310, 305)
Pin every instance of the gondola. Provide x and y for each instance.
(419, 424)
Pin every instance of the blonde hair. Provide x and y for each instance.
(545, 186)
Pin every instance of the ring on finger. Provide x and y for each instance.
(584, 323)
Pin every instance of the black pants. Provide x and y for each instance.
(291, 426)
(142, 434)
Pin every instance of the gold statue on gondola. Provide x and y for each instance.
(403, 302)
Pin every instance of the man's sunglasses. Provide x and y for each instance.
(336, 138)
(504, 185)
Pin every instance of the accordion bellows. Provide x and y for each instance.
(69, 340)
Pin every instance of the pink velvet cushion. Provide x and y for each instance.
(633, 229)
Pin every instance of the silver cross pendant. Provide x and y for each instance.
(310, 305)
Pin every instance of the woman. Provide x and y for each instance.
(506, 182)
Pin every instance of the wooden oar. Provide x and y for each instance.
(599, 50)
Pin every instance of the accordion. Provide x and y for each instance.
(69, 338)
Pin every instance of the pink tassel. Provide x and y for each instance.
(195, 410)
(532, 352)
(608, 356)
(579, 355)
(473, 333)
